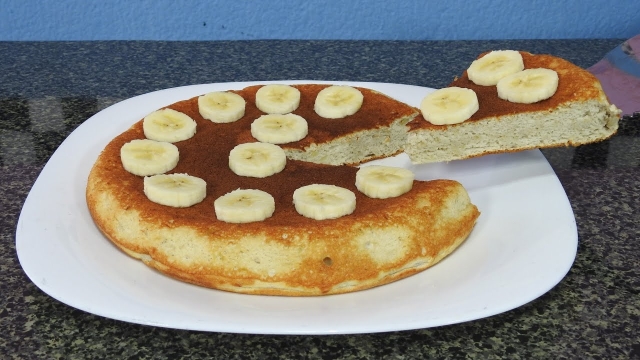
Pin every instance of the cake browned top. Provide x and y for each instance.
(206, 156)
(575, 85)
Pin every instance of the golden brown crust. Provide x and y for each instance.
(287, 254)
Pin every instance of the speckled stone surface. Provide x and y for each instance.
(48, 89)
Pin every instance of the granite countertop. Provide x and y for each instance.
(48, 88)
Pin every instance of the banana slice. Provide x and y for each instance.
(144, 157)
(338, 101)
(175, 190)
(244, 205)
(492, 67)
(382, 182)
(257, 159)
(321, 201)
(168, 125)
(279, 129)
(451, 105)
(277, 99)
(528, 86)
(221, 106)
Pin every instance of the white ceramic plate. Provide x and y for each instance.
(524, 243)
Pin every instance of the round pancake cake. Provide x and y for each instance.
(381, 240)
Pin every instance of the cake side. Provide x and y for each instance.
(311, 258)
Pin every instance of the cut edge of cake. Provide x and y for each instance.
(573, 124)
(357, 148)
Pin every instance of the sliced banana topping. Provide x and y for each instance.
(279, 129)
(451, 105)
(321, 201)
(168, 125)
(338, 101)
(244, 205)
(277, 99)
(492, 67)
(144, 157)
(382, 182)
(528, 86)
(257, 159)
(221, 106)
(175, 190)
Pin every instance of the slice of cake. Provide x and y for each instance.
(578, 112)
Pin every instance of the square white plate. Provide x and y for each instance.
(524, 243)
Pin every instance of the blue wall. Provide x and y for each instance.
(326, 19)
